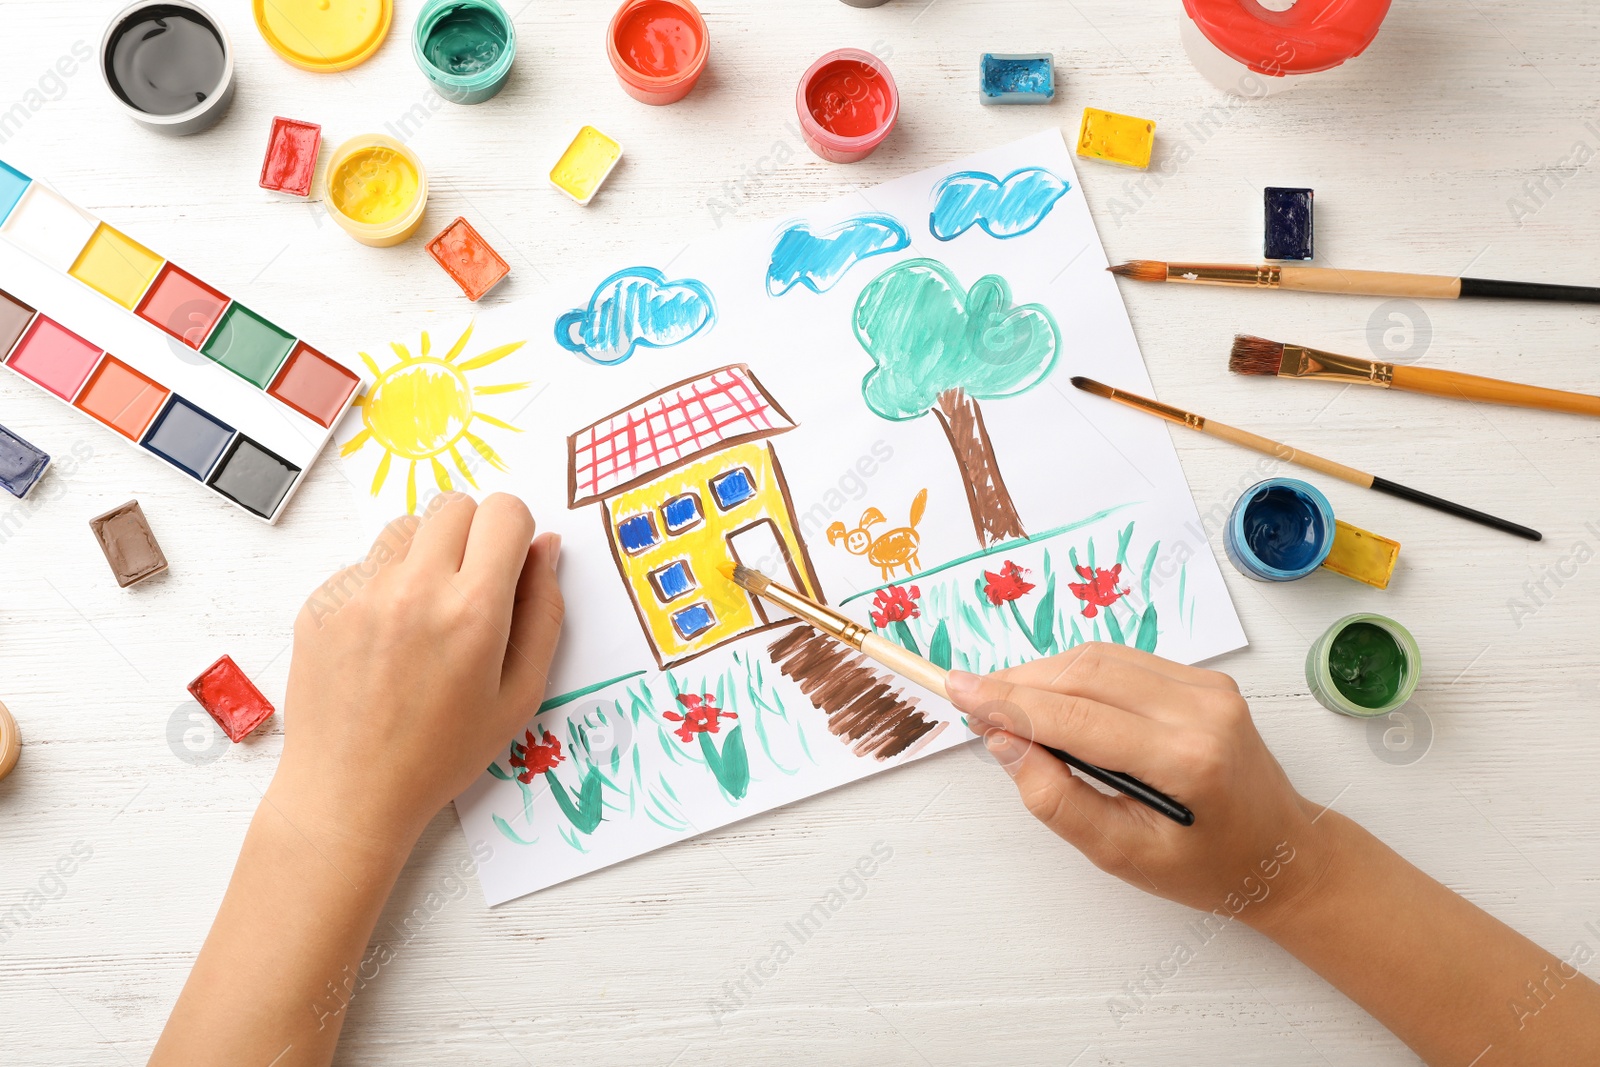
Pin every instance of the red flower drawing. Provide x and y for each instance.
(1099, 588)
(701, 714)
(895, 603)
(535, 758)
(1007, 585)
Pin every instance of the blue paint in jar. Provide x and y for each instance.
(1280, 530)
(1017, 79)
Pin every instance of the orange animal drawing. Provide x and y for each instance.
(891, 550)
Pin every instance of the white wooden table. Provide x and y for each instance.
(983, 939)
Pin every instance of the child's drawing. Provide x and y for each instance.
(809, 435)
(1002, 207)
(421, 408)
(889, 551)
(1004, 607)
(818, 261)
(700, 719)
(867, 707)
(636, 306)
(942, 348)
(688, 480)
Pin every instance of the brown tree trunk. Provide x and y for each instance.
(994, 516)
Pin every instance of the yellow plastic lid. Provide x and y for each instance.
(324, 35)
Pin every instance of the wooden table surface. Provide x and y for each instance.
(983, 939)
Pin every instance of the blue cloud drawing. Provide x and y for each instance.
(818, 260)
(1004, 207)
(636, 306)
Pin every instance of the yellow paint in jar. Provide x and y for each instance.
(377, 189)
(586, 164)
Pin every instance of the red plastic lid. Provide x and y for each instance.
(1312, 35)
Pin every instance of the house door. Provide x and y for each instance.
(759, 547)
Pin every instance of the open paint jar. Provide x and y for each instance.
(658, 48)
(465, 47)
(377, 189)
(169, 65)
(848, 103)
(1280, 530)
(1254, 49)
(1364, 666)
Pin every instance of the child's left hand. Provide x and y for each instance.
(413, 669)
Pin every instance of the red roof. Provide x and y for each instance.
(668, 429)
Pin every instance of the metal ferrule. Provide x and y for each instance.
(828, 621)
(1262, 277)
(1300, 362)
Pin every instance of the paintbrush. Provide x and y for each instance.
(1259, 356)
(928, 675)
(1357, 282)
(1289, 454)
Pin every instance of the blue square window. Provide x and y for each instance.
(733, 488)
(637, 533)
(682, 513)
(693, 620)
(673, 581)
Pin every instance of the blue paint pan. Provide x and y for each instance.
(1017, 79)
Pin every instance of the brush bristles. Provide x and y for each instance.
(1255, 355)
(752, 580)
(1143, 270)
(1089, 385)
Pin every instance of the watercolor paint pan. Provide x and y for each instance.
(106, 332)
(22, 464)
(129, 544)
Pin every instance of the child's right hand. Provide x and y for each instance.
(1254, 847)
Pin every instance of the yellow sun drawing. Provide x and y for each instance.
(422, 408)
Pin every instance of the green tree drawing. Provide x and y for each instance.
(939, 347)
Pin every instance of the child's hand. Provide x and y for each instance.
(414, 669)
(1185, 731)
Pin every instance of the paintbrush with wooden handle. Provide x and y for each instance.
(928, 675)
(1356, 282)
(1259, 356)
(1289, 454)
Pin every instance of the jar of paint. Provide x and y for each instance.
(377, 189)
(1280, 530)
(1255, 48)
(866, 3)
(1364, 666)
(848, 103)
(323, 36)
(658, 48)
(465, 47)
(169, 66)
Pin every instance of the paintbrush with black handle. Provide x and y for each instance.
(930, 676)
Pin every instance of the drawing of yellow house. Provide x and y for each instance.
(688, 480)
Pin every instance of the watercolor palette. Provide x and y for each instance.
(173, 365)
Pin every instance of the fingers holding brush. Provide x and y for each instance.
(1182, 730)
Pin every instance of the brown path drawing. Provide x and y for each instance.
(863, 707)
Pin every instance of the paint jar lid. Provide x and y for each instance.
(324, 36)
(1312, 35)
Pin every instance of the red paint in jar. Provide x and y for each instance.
(658, 48)
(848, 104)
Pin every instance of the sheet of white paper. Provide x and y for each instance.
(780, 381)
